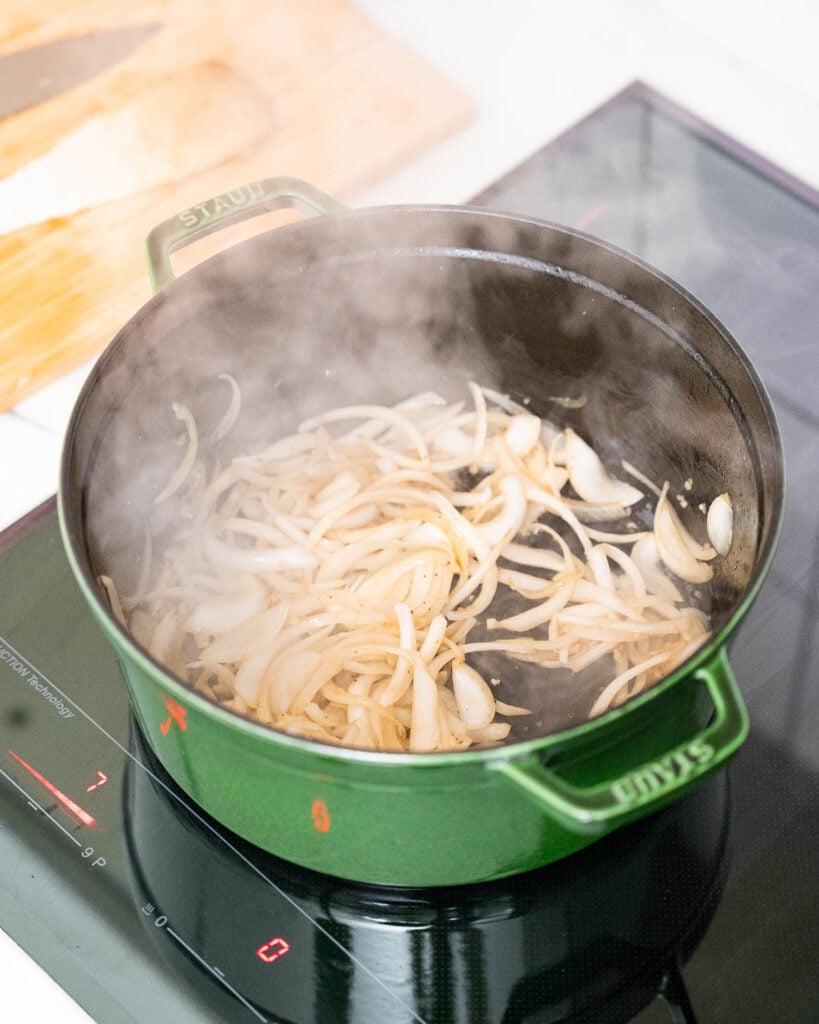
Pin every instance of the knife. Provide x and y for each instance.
(176, 125)
(32, 76)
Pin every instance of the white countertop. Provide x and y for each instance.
(532, 68)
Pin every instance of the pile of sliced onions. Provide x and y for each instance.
(328, 585)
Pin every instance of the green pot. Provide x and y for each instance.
(331, 306)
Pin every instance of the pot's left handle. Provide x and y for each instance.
(229, 208)
(646, 787)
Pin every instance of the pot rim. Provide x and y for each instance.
(710, 651)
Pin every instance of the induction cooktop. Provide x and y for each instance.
(146, 910)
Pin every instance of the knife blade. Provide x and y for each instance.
(156, 137)
(32, 76)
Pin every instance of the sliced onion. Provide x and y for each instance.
(523, 433)
(646, 557)
(180, 475)
(476, 703)
(633, 471)
(232, 411)
(221, 614)
(107, 585)
(481, 422)
(592, 512)
(536, 616)
(674, 544)
(453, 441)
(568, 403)
(600, 568)
(320, 586)
(589, 478)
(615, 687)
(511, 710)
(376, 413)
(435, 635)
(533, 587)
(425, 728)
(490, 734)
(720, 523)
(503, 401)
(291, 556)
(511, 517)
(537, 558)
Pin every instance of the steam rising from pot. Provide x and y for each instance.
(377, 305)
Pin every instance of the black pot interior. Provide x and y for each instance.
(376, 305)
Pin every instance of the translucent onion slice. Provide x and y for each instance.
(523, 433)
(329, 603)
(616, 686)
(510, 519)
(720, 523)
(524, 583)
(453, 441)
(537, 558)
(511, 710)
(245, 598)
(491, 734)
(590, 512)
(182, 413)
(568, 403)
(107, 585)
(476, 703)
(676, 546)
(503, 401)
(538, 615)
(425, 731)
(232, 411)
(589, 478)
(646, 557)
(481, 422)
(290, 556)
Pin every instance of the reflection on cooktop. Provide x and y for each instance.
(604, 929)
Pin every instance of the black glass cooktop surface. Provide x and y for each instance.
(145, 910)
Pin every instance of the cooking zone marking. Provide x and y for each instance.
(633, 786)
(228, 202)
(161, 921)
(38, 807)
(66, 801)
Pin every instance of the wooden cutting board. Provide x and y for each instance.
(311, 88)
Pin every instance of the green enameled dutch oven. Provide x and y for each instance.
(372, 305)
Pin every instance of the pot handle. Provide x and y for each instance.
(229, 208)
(646, 787)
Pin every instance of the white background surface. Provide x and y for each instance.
(532, 68)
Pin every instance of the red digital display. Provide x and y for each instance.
(102, 778)
(272, 950)
(66, 801)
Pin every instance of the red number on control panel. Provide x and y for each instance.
(272, 950)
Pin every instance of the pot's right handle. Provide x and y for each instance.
(645, 787)
(229, 208)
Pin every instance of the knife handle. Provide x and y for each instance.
(229, 208)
